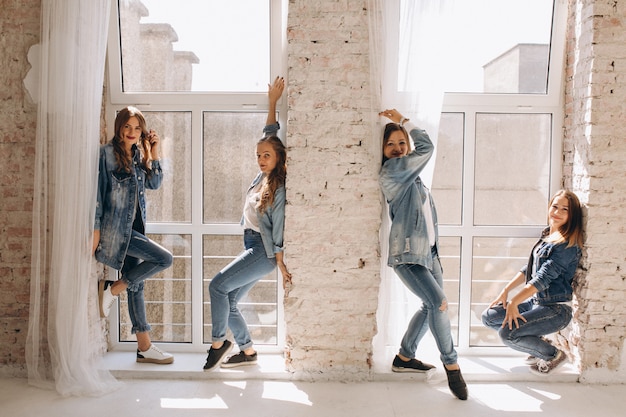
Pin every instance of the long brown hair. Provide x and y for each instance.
(389, 129)
(572, 231)
(124, 159)
(276, 178)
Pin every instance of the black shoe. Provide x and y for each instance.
(412, 365)
(216, 356)
(456, 383)
(240, 359)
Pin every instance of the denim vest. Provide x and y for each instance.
(272, 221)
(119, 193)
(556, 266)
(404, 191)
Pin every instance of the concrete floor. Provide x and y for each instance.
(497, 387)
(181, 398)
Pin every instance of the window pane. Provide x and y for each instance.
(259, 307)
(187, 45)
(167, 296)
(172, 201)
(495, 261)
(512, 174)
(450, 256)
(448, 176)
(492, 46)
(229, 162)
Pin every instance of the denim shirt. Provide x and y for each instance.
(556, 266)
(406, 194)
(118, 195)
(272, 221)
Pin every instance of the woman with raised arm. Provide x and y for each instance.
(413, 246)
(263, 222)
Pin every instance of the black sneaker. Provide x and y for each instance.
(240, 359)
(216, 356)
(456, 383)
(412, 365)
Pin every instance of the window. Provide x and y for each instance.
(174, 61)
(204, 32)
(498, 154)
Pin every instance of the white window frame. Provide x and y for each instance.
(196, 103)
(471, 104)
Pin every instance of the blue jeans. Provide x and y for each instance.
(232, 283)
(428, 286)
(144, 258)
(540, 320)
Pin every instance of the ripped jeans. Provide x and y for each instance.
(144, 258)
(428, 286)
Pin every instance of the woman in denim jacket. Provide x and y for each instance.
(129, 164)
(263, 222)
(542, 306)
(413, 241)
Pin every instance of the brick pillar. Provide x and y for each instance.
(594, 160)
(334, 207)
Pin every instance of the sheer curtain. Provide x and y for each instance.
(407, 46)
(65, 333)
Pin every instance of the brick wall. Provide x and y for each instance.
(19, 29)
(334, 207)
(594, 160)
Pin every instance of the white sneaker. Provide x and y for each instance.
(105, 297)
(544, 368)
(531, 360)
(154, 355)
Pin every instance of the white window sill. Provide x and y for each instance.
(270, 366)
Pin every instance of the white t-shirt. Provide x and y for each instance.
(428, 217)
(250, 218)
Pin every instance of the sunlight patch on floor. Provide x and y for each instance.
(508, 399)
(215, 403)
(285, 391)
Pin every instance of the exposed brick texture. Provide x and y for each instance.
(19, 29)
(334, 210)
(594, 156)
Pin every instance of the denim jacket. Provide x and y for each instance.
(406, 194)
(118, 195)
(555, 271)
(272, 221)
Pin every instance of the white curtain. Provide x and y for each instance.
(407, 46)
(65, 335)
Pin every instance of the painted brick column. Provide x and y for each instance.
(594, 161)
(334, 205)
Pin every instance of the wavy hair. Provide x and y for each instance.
(124, 159)
(276, 178)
